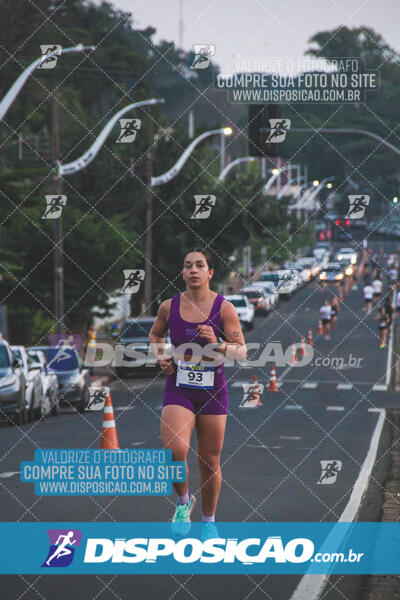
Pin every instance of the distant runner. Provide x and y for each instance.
(368, 293)
(326, 314)
(377, 285)
(383, 323)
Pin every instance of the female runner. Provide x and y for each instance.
(196, 397)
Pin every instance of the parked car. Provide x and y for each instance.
(244, 309)
(72, 376)
(135, 334)
(34, 390)
(285, 281)
(49, 382)
(303, 273)
(333, 273)
(310, 262)
(258, 298)
(269, 288)
(12, 386)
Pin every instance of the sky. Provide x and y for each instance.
(247, 29)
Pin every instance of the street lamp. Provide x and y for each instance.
(292, 180)
(275, 174)
(90, 154)
(232, 164)
(67, 169)
(318, 187)
(20, 82)
(173, 171)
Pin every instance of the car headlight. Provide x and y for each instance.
(349, 271)
(339, 276)
(322, 275)
(8, 380)
(353, 260)
(340, 257)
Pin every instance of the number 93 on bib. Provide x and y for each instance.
(193, 375)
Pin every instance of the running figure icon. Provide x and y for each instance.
(62, 549)
(61, 352)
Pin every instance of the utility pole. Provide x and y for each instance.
(58, 250)
(148, 283)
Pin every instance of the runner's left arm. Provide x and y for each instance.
(234, 346)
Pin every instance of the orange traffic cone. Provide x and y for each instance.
(293, 359)
(309, 338)
(302, 346)
(109, 437)
(273, 387)
(320, 330)
(255, 394)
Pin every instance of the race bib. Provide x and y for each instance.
(193, 375)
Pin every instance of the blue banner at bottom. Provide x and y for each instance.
(221, 548)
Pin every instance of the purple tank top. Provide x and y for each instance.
(182, 332)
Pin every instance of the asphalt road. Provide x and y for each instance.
(270, 461)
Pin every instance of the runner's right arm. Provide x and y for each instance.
(157, 338)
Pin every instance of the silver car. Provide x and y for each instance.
(34, 398)
(49, 382)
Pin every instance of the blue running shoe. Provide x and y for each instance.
(209, 530)
(181, 520)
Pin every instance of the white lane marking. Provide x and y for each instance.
(311, 586)
(309, 385)
(137, 443)
(262, 446)
(8, 474)
(335, 408)
(379, 388)
(390, 348)
(285, 372)
(290, 437)
(123, 408)
(345, 386)
(293, 407)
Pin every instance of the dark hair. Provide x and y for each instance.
(205, 253)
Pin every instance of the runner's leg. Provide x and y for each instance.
(177, 424)
(210, 431)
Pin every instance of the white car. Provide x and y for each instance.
(347, 253)
(269, 288)
(51, 403)
(302, 271)
(34, 397)
(260, 299)
(244, 309)
(311, 263)
(285, 281)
